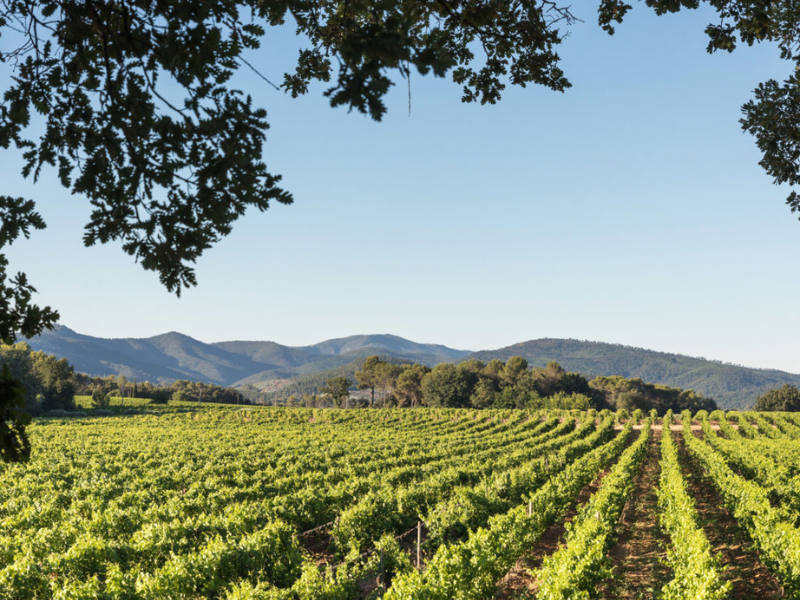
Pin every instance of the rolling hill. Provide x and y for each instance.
(732, 386)
(171, 356)
(165, 358)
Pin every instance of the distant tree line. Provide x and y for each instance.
(181, 390)
(48, 381)
(498, 384)
(620, 393)
(784, 399)
(304, 390)
(51, 383)
(102, 389)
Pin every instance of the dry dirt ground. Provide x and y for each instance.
(749, 577)
(519, 582)
(638, 557)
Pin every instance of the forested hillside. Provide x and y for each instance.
(286, 370)
(173, 356)
(732, 386)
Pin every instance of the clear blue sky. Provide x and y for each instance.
(629, 209)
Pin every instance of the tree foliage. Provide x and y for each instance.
(338, 388)
(48, 381)
(634, 394)
(15, 445)
(408, 388)
(139, 116)
(30, 382)
(447, 386)
(55, 385)
(786, 398)
(131, 104)
(368, 376)
(190, 391)
(99, 399)
(377, 373)
(512, 384)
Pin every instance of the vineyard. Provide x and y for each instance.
(262, 503)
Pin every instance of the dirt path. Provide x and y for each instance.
(749, 576)
(675, 427)
(518, 582)
(637, 557)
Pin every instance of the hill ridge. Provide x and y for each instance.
(732, 386)
(174, 355)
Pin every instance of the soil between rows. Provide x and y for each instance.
(518, 582)
(638, 558)
(749, 577)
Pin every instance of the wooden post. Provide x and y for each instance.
(530, 508)
(419, 542)
(383, 572)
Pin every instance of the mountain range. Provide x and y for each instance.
(171, 356)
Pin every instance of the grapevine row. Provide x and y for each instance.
(469, 570)
(776, 539)
(697, 574)
(574, 570)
